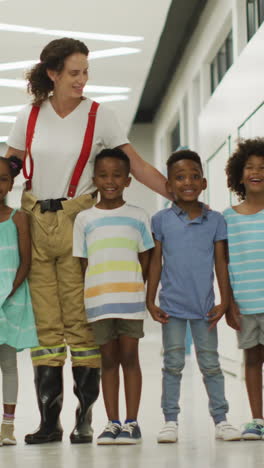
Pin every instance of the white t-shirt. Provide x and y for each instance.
(111, 240)
(57, 144)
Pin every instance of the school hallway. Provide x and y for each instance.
(196, 447)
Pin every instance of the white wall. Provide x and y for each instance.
(213, 120)
(238, 95)
(141, 137)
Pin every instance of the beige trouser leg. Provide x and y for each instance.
(56, 286)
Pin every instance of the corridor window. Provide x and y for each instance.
(222, 61)
(175, 137)
(255, 16)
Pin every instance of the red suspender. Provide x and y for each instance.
(84, 155)
(85, 151)
(29, 136)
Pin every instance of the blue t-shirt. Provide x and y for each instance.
(246, 259)
(187, 276)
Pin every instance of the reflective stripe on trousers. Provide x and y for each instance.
(81, 354)
(42, 353)
(78, 354)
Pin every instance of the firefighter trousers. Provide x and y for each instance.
(56, 286)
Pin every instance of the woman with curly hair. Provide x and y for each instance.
(65, 129)
(245, 222)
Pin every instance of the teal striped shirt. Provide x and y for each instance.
(246, 259)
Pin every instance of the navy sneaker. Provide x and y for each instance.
(110, 433)
(253, 430)
(129, 435)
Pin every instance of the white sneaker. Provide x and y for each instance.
(225, 431)
(169, 433)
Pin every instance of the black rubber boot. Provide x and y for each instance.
(86, 388)
(49, 388)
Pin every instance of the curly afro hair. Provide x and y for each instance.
(236, 163)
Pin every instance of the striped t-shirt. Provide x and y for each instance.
(246, 259)
(111, 241)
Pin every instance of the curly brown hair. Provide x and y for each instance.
(52, 57)
(236, 163)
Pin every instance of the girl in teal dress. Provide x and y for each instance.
(17, 326)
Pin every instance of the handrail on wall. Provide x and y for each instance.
(249, 117)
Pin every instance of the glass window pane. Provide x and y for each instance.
(221, 62)
(261, 11)
(213, 83)
(229, 50)
(175, 137)
(251, 17)
(216, 80)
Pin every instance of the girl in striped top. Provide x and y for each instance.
(245, 222)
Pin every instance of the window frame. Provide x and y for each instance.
(222, 61)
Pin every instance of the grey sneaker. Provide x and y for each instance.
(129, 435)
(109, 435)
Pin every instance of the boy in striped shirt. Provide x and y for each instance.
(113, 240)
(245, 223)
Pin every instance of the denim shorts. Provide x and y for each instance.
(252, 331)
(106, 330)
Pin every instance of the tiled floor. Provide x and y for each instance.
(196, 446)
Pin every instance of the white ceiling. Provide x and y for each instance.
(141, 18)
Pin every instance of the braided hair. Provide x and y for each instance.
(14, 165)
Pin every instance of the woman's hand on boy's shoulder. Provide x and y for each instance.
(158, 314)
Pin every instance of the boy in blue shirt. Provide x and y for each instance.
(191, 241)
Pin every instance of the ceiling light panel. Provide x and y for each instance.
(113, 52)
(7, 118)
(13, 83)
(10, 109)
(74, 34)
(106, 89)
(3, 139)
(111, 98)
(97, 54)
(17, 65)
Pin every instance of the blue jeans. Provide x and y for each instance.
(205, 342)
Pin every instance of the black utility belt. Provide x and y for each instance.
(51, 204)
